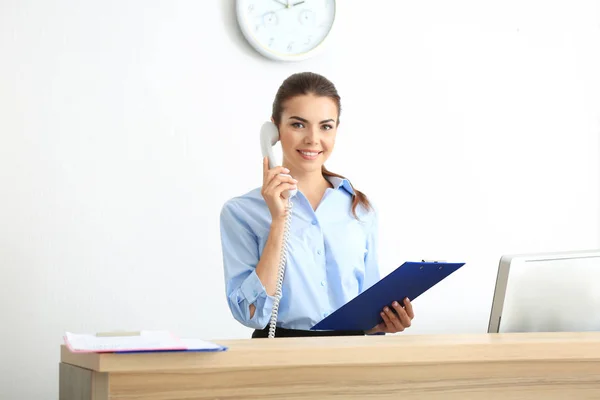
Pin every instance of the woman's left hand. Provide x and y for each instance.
(396, 320)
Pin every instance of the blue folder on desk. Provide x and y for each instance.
(410, 280)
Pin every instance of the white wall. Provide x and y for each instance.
(124, 126)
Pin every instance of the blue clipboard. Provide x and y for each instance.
(411, 279)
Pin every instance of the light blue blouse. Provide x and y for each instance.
(332, 257)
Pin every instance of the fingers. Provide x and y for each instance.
(280, 178)
(402, 314)
(283, 187)
(408, 308)
(379, 328)
(398, 318)
(276, 176)
(276, 180)
(395, 323)
(280, 183)
(265, 167)
(388, 325)
(269, 173)
(275, 171)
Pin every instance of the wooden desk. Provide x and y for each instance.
(487, 366)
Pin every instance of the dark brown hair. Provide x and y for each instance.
(304, 83)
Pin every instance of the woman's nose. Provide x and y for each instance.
(312, 135)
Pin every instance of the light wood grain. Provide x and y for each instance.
(523, 380)
(77, 383)
(396, 349)
(487, 366)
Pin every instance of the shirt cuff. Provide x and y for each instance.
(252, 288)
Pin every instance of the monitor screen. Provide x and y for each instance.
(552, 292)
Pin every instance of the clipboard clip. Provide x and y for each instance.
(433, 262)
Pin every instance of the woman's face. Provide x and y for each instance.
(307, 132)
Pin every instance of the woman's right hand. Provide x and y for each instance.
(273, 186)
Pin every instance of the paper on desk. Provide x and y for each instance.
(146, 341)
(193, 344)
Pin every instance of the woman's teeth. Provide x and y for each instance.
(309, 155)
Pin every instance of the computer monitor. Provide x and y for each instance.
(547, 292)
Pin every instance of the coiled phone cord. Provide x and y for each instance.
(281, 271)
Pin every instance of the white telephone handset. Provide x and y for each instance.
(269, 136)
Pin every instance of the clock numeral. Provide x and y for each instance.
(250, 8)
(271, 42)
(308, 40)
(290, 46)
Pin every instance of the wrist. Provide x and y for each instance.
(278, 223)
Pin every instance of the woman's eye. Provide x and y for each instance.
(327, 127)
(297, 125)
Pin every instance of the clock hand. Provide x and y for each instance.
(298, 3)
(282, 3)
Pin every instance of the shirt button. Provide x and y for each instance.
(319, 252)
(325, 315)
(314, 222)
(323, 283)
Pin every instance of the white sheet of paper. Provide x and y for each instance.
(147, 340)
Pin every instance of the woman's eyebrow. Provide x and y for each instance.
(298, 118)
(306, 121)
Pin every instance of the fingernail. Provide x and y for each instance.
(295, 180)
(395, 303)
(382, 314)
(286, 170)
(386, 309)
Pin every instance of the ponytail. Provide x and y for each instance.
(358, 197)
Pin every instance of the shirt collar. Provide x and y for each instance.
(340, 183)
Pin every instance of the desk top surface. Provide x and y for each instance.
(355, 350)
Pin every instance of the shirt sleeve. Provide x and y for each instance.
(372, 274)
(240, 257)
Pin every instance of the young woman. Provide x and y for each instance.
(332, 241)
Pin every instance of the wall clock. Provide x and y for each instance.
(286, 30)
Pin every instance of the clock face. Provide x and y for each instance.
(286, 29)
